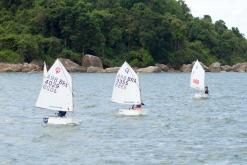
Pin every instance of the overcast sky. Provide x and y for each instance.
(233, 12)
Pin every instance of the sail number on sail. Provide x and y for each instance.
(196, 81)
(122, 81)
(52, 83)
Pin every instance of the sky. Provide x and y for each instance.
(232, 12)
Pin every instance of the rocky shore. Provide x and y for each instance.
(93, 64)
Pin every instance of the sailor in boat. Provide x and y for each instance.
(137, 107)
(61, 113)
(206, 90)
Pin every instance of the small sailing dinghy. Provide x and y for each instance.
(126, 90)
(56, 93)
(197, 80)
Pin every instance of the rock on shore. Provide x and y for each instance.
(240, 67)
(186, 68)
(163, 67)
(71, 66)
(90, 60)
(112, 70)
(19, 67)
(149, 69)
(30, 67)
(215, 67)
(226, 68)
(93, 69)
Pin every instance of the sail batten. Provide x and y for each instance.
(126, 88)
(197, 76)
(56, 90)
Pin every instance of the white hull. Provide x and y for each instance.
(60, 120)
(201, 96)
(131, 112)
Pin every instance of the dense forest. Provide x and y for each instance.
(143, 32)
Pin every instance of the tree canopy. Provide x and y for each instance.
(143, 32)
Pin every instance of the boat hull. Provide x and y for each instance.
(59, 120)
(201, 96)
(131, 112)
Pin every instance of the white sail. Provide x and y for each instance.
(126, 88)
(56, 91)
(197, 76)
(45, 69)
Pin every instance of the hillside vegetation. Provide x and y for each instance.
(143, 32)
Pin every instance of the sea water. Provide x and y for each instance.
(177, 130)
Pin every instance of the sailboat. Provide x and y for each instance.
(197, 80)
(126, 90)
(56, 93)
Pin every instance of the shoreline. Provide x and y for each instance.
(93, 64)
(158, 68)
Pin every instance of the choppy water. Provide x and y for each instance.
(177, 130)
